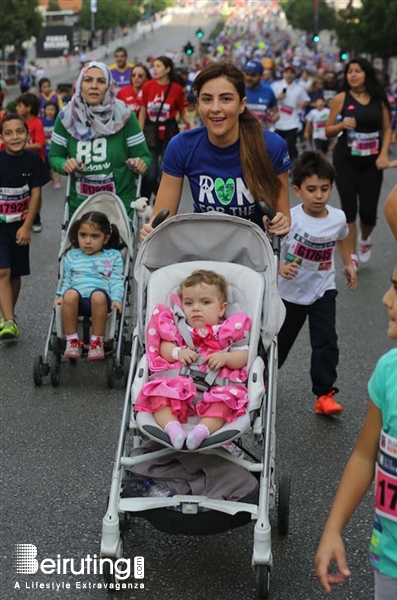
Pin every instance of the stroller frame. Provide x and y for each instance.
(262, 418)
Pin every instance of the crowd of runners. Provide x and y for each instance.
(258, 110)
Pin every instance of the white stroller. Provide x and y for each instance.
(118, 327)
(246, 259)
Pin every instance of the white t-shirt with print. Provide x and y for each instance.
(319, 119)
(287, 108)
(312, 240)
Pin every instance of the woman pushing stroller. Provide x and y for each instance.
(220, 345)
(97, 138)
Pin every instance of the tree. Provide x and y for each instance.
(20, 20)
(301, 14)
(370, 29)
(53, 5)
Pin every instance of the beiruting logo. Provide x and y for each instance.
(121, 569)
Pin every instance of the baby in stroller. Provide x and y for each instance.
(203, 353)
(92, 282)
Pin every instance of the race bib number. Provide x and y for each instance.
(14, 203)
(386, 477)
(313, 256)
(87, 185)
(365, 144)
(286, 110)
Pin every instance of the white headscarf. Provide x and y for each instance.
(85, 121)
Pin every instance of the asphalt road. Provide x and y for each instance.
(58, 447)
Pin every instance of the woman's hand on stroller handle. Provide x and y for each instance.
(72, 165)
(148, 227)
(136, 165)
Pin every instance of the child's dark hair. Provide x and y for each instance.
(311, 163)
(29, 99)
(51, 103)
(208, 277)
(43, 80)
(101, 222)
(13, 117)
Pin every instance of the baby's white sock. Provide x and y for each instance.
(198, 435)
(176, 433)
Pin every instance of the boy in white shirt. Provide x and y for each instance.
(307, 274)
(315, 126)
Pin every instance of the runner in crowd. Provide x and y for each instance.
(51, 111)
(130, 94)
(374, 455)
(260, 96)
(95, 135)
(46, 94)
(361, 152)
(307, 275)
(231, 162)
(22, 174)
(162, 101)
(316, 120)
(121, 69)
(291, 98)
(28, 107)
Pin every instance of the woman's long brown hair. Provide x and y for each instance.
(258, 170)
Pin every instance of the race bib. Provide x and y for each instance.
(87, 185)
(386, 477)
(313, 256)
(286, 110)
(14, 203)
(365, 144)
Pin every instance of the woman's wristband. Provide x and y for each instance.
(175, 352)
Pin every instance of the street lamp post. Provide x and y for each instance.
(94, 9)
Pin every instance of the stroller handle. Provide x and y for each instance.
(158, 219)
(269, 212)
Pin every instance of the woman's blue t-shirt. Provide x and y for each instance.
(215, 174)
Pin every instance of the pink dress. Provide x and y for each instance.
(227, 402)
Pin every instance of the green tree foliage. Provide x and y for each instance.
(53, 5)
(114, 13)
(301, 15)
(370, 29)
(20, 20)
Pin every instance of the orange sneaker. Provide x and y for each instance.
(326, 405)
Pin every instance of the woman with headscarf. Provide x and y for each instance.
(95, 135)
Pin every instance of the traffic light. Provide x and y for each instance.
(188, 49)
(199, 33)
(316, 38)
(343, 55)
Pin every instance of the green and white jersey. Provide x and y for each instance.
(104, 161)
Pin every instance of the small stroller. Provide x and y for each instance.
(245, 257)
(118, 327)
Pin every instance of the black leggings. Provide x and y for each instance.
(359, 183)
(291, 137)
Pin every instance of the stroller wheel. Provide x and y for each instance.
(110, 372)
(109, 574)
(38, 371)
(55, 369)
(284, 485)
(262, 580)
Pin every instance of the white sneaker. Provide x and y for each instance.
(37, 227)
(354, 259)
(364, 249)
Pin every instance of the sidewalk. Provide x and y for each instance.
(59, 71)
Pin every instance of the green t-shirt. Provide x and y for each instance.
(104, 161)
